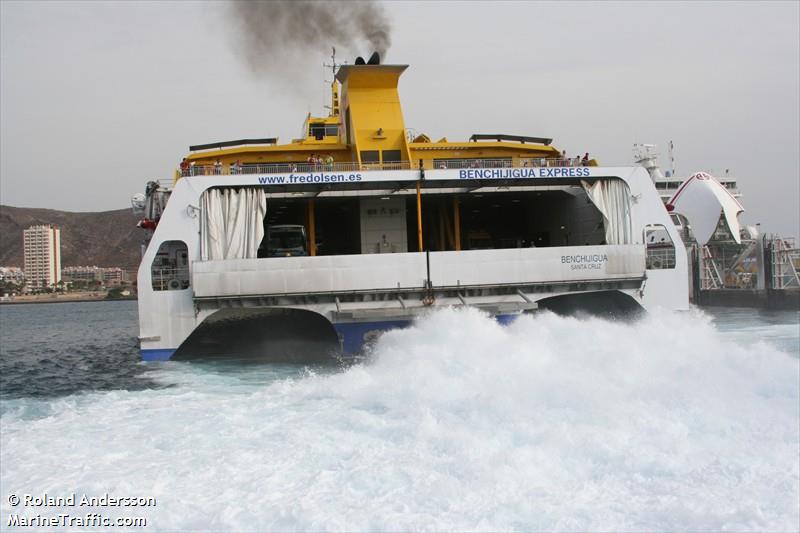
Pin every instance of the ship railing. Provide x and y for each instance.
(169, 278)
(521, 162)
(660, 257)
(287, 168)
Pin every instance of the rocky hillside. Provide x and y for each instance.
(105, 239)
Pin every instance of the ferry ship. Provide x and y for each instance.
(724, 253)
(297, 251)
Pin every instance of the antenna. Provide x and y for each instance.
(329, 83)
(334, 107)
(671, 160)
(333, 64)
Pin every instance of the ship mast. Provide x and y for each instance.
(334, 107)
(671, 160)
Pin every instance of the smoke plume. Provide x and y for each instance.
(281, 33)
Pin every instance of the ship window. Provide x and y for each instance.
(320, 130)
(391, 156)
(370, 156)
(317, 130)
(170, 268)
(660, 248)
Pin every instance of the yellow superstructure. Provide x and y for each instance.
(373, 120)
(366, 129)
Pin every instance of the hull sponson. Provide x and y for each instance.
(353, 337)
(268, 334)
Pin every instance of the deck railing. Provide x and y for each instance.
(169, 278)
(286, 168)
(658, 258)
(507, 163)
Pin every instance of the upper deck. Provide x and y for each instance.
(366, 131)
(517, 161)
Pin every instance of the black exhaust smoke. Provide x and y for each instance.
(278, 35)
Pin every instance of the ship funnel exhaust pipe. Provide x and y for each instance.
(374, 59)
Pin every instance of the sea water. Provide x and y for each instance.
(686, 421)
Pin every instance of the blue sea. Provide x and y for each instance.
(677, 422)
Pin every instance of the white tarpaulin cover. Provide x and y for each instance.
(700, 199)
(232, 223)
(612, 198)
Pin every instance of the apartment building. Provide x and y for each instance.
(111, 276)
(42, 249)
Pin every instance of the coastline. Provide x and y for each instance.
(62, 298)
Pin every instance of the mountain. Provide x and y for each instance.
(104, 239)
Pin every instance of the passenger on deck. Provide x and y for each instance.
(217, 167)
(585, 160)
(329, 162)
(184, 167)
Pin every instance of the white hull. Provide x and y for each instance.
(391, 288)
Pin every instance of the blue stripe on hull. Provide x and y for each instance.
(505, 320)
(353, 335)
(156, 355)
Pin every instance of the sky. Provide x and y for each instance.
(98, 98)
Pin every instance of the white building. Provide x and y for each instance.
(42, 246)
(113, 276)
(82, 273)
(12, 275)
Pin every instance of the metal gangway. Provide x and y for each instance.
(785, 264)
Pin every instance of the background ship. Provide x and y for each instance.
(740, 266)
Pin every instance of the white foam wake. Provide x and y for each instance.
(457, 423)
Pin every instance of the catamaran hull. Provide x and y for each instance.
(351, 298)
